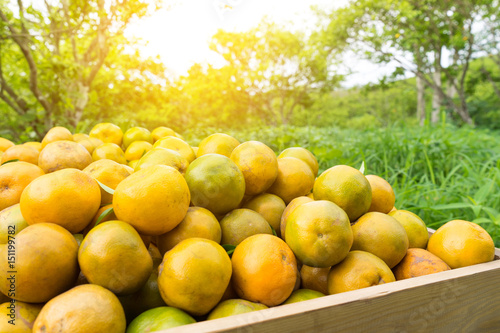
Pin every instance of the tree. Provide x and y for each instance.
(51, 54)
(276, 69)
(416, 34)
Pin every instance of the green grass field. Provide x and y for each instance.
(441, 173)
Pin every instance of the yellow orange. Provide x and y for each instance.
(109, 173)
(63, 154)
(14, 177)
(233, 307)
(137, 149)
(5, 144)
(218, 143)
(162, 156)
(161, 132)
(11, 222)
(136, 134)
(294, 179)
(22, 153)
(180, 146)
(107, 133)
(271, 208)
(415, 228)
(288, 210)
(383, 197)
(57, 133)
(109, 151)
(304, 155)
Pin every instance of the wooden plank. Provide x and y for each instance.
(460, 300)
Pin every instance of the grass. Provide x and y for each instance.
(441, 173)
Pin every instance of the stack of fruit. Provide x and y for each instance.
(139, 231)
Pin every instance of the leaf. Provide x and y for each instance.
(105, 188)
(103, 215)
(274, 231)
(455, 205)
(362, 168)
(14, 160)
(229, 249)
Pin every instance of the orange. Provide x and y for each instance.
(418, 262)
(288, 210)
(109, 151)
(107, 133)
(34, 144)
(160, 318)
(381, 235)
(63, 154)
(415, 228)
(194, 275)
(383, 197)
(233, 307)
(5, 144)
(14, 177)
(315, 278)
(132, 164)
(347, 187)
(462, 243)
(180, 146)
(137, 149)
(162, 156)
(264, 270)
(294, 179)
(113, 255)
(218, 143)
(18, 317)
(161, 132)
(240, 224)
(319, 233)
(68, 197)
(22, 153)
(90, 144)
(46, 264)
(258, 164)
(153, 200)
(136, 134)
(271, 208)
(57, 133)
(80, 136)
(83, 309)
(198, 222)
(11, 222)
(215, 183)
(304, 155)
(358, 270)
(109, 173)
(310, 195)
(300, 295)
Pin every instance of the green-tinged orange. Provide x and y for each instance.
(215, 183)
(242, 223)
(136, 134)
(113, 255)
(383, 197)
(319, 233)
(271, 208)
(83, 309)
(45, 263)
(415, 228)
(233, 307)
(315, 278)
(153, 200)
(381, 235)
(194, 275)
(160, 318)
(198, 222)
(346, 187)
(304, 155)
(288, 210)
(303, 295)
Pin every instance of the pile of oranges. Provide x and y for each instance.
(140, 231)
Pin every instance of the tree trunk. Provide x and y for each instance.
(80, 103)
(437, 99)
(420, 100)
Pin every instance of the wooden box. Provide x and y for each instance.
(460, 300)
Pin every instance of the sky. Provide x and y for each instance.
(180, 35)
